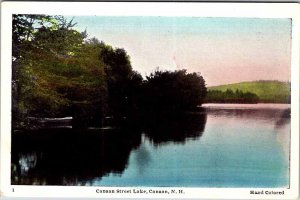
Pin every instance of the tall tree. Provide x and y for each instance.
(123, 83)
(54, 70)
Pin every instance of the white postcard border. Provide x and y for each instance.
(254, 10)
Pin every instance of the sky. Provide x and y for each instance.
(223, 50)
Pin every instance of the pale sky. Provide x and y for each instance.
(223, 50)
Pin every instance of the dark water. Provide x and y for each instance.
(219, 146)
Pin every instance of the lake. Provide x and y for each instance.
(221, 145)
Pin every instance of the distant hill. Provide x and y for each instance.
(267, 91)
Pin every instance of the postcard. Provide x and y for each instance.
(150, 100)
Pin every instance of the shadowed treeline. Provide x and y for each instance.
(266, 91)
(61, 76)
(229, 96)
(59, 72)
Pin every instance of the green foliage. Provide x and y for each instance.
(267, 91)
(29, 92)
(228, 96)
(173, 91)
(54, 71)
(123, 84)
(59, 72)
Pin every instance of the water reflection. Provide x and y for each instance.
(69, 157)
(76, 157)
(280, 114)
(27, 161)
(175, 128)
(239, 148)
(282, 127)
(284, 119)
(249, 113)
(143, 158)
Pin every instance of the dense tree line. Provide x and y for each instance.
(174, 91)
(58, 71)
(229, 96)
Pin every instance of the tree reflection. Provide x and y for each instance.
(175, 128)
(262, 113)
(69, 157)
(60, 156)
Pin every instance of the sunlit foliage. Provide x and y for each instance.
(58, 71)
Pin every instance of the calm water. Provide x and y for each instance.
(220, 146)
